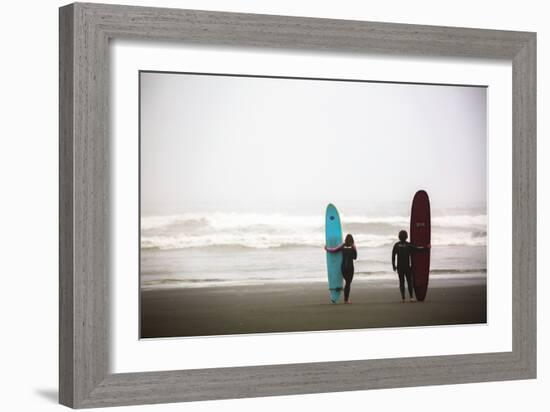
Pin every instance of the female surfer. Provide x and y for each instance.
(349, 253)
(403, 251)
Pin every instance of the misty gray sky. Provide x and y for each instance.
(220, 143)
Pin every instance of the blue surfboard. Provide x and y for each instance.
(333, 238)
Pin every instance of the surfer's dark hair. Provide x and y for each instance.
(403, 235)
(349, 240)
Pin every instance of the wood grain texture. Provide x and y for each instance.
(83, 344)
(66, 229)
(524, 212)
(85, 30)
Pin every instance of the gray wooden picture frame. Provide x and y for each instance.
(85, 31)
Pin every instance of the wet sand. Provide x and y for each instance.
(291, 307)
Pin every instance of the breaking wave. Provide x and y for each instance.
(272, 231)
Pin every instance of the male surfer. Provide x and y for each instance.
(403, 251)
(349, 254)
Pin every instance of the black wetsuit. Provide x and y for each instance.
(349, 254)
(403, 251)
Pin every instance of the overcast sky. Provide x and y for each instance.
(221, 143)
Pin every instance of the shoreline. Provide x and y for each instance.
(305, 307)
(377, 280)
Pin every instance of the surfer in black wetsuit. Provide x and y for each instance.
(349, 252)
(403, 250)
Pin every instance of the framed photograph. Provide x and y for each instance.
(240, 176)
(259, 205)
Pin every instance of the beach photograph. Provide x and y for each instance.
(281, 205)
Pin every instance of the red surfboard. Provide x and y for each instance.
(420, 237)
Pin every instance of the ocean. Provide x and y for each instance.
(216, 249)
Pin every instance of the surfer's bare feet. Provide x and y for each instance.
(413, 300)
(348, 302)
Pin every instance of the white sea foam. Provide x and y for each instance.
(379, 278)
(263, 231)
(222, 220)
(219, 220)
